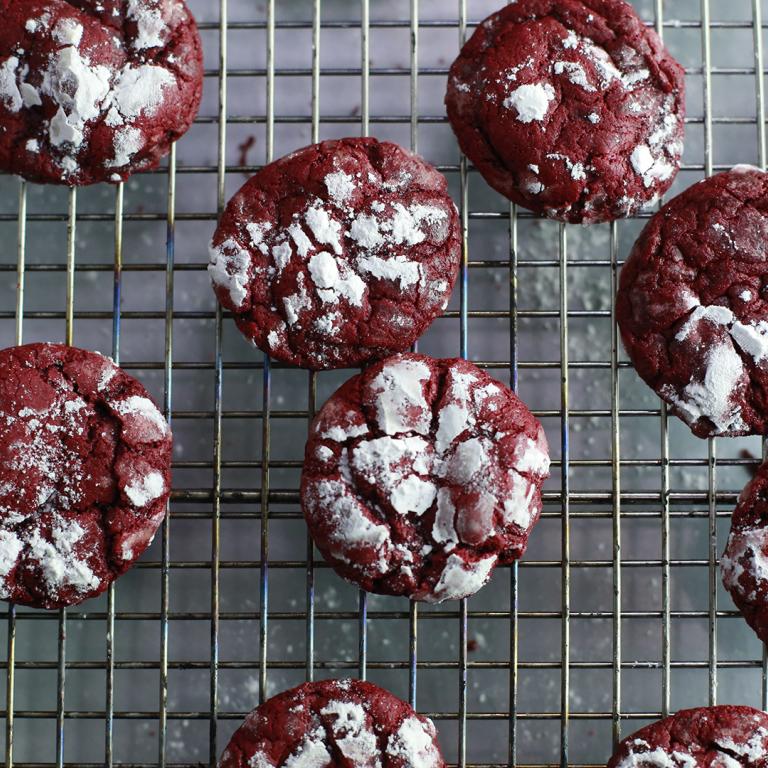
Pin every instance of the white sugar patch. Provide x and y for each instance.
(324, 228)
(340, 187)
(311, 753)
(135, 406)
(149, 21)
(229, 269)
(10, 548)
(68, 32)
(575, 72)
(397, 269)
(353, 737)
(79, 89)
(126, 143)
(530, 458)
(399, 397)
(60, 565)
(453, 420)
(10, 95)
(752, 338)
(143, 490)
(531, 101)
(754, 749)
(413, 743)
(334, 280)
(413, 495)
(651, 168)
(656, 758)
(469, 459)
(460, 579)
(518, 508)
(745, 551)
(297, 302)
(443, 529)
(139, 90)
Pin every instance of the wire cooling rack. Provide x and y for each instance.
(614, 618)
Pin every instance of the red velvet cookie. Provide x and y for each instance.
(692, 304)
(84, 473)
(708, 737)
(571, 108)
(347, 723)
(340, 253)
(744, 564)
(95, 90)
(420, 475)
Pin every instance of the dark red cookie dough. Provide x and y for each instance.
(571, 108)
(420, 475)
(95, 90)
(84, 473)
(347, 723)
(708, 737)
(342, 252)
(744, 564)
(692, 304)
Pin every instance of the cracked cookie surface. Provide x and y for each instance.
(708, 737)
(421, 475)
(84, 473)
(328, 723)
(95, 90)
(744, 564)
(337, 254)
(571, 108)
(692, 304)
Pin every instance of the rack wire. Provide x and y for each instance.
(432, 665)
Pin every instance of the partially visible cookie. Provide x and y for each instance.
(347, 723)
(337, 254)
(571, 108)
(85, 460)
(421, 475)
(744, 564)
(95, 90)
(708, 737)
(693, 308)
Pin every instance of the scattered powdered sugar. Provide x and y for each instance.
(460, 579)
(324, 228)
(577, 170)
(575, 72)
(712, 397)
(143, 490)
(745, 546)
(151, 27)
(531, 101)
(413, 743)
(10, 95)
(68, 32)
(60, 565)
(400, 402)
(257, 760)
(340, 186)
(297, 302)
(10, 548)
(356, 741)
(126, 143)
(593, 118)
(753, 750)
(152, 424)
(229, 269)
(443, 529)
(334, 279)
(649, 166)
(397, 269)
(656, 758)
(311, 753)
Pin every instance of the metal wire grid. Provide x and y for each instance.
(612, 503)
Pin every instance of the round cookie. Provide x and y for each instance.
(95, 90)
(420, 476)
(744, 565)
(571, 108)
(347, 723)
(340, 253)
(85, 474)
(692, 304)
(707, 737)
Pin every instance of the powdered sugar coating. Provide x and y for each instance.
(84, 473)
(342, 252)
(691, 304)
(708, 737)
(101, 89)
(581, 91)
(421, 475)
(744, 564)
(325, 723)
